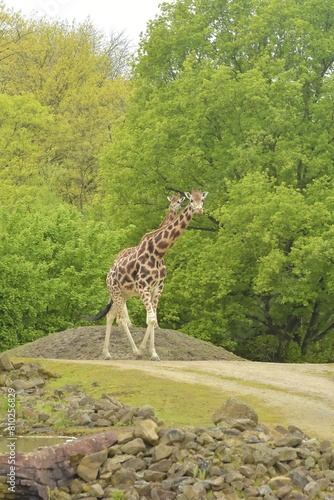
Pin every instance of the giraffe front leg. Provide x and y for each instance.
(149, 334)
(155, 300)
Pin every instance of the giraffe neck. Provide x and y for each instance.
(161, 240)
(169, 218)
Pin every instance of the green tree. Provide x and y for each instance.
(224, 89)
(24, 128)
(76, 73)
(53, 265)
(265, 284)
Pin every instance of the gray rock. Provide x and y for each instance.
(233, 410)
(161, 451)
(133, 447)
(123, 478)
(147, 430)
(89, 466)
(173, 436)
(5, 363)
(311, 489)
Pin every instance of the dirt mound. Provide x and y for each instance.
(87, 343)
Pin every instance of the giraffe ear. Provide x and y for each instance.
(169, 198)
(205, 194)
(188, 195)
(182, 199)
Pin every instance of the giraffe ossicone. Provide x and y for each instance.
(141, 271)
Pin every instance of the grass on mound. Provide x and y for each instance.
(176, 403)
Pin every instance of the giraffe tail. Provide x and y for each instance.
(100, 314)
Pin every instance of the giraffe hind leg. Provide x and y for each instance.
(135, 350)
(110, 319)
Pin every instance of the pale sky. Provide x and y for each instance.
(113, 16)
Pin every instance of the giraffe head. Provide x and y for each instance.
(196, 200)
(175, 201)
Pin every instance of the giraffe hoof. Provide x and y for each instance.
(107, 357)
(155, 357)
(139, 355)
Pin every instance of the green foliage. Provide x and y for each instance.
(117, 495)
(268, 274)
(24, 126)
(53, 266)
(236, 98)
(63, 93)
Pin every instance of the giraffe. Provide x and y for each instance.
(175, 203)
(142, 273)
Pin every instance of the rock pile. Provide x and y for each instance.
(236, 458)
(180, 464)
(43, 411)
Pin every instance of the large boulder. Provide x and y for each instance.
(235, 413)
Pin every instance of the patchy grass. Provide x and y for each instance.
(176, 403)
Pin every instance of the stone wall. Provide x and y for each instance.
(51, 467)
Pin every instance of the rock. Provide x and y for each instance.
(89, 466)
(284, 492)
(217, 483)
(142, 487)
(146, 412)
(123, 478)
(246, 471)
(25, 385)
(189, 492)
(232, 411)
(5, 363)
(102, 422)
(289, 440)
(312, 489)
(161, 451)
(299, 479)
(153, 476)
(263, 454)
(135, 463)
(104, 404)
(285, 454)
(81, 417)
(309, 462)
(96, 491)
(126, 416)
(133, 447)
(173, 436)
(278, 482)
(147, 430)
(242, 424)
(161, 466)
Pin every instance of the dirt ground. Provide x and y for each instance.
(299, 394)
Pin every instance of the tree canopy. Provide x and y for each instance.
(236, 97)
